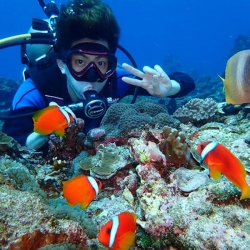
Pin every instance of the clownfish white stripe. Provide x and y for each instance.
(93, 183)
(210, 147)
(66, 115)
(115, 225)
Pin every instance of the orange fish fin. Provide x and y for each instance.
(214, 173)
(127, 240)
(40, 112)
(84, 205)
(245, 192)
(40, 132)
(60, 131)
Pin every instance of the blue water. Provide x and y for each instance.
(199, 33)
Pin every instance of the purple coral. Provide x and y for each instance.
(96, 134)
(158, 225)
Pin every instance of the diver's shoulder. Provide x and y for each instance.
(120, 72)
(27, 95)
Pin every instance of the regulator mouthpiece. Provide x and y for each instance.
(94, 106)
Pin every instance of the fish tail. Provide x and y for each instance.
(222, 79)
(245, 192)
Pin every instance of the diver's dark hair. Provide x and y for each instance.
(91, 19)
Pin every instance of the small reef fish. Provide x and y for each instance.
(53, 119)
(81, 190)
(119, 233)
(237, 78)
(221, 160)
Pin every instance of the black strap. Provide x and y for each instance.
(49, 80)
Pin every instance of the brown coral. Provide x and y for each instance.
(63, 150)
(174, 146)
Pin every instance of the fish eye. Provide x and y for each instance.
(108, 230)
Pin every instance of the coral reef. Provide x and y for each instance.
(152, 195)
(8, 88)
(122, 118)
(107, 161)
(146, 151)
(174, 146)
(25, 221)
(189, 180)
(208, 86)
(62, 150)
(197, 111)
(177, 207)
(164, 147)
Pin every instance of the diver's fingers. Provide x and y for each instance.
(155, 83)
(160, 70)
(133, 70)
(132, 81)
(150, 71)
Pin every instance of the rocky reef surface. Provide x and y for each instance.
(8, 88)
(146, 165)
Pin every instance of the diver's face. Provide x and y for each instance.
(76, 88)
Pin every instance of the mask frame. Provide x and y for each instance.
(91, 73)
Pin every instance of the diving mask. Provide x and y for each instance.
(90, 62)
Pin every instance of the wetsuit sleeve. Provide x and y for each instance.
(27, 100)
(19, 128)
(187, 84)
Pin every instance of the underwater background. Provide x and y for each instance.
(144, 154)
(197, 35)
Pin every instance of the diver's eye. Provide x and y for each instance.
(80, 62)
(102, 63)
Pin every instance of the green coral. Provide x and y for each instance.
(147, 241)
(143, 239)
(63, 246)
(61, 210)
(106, 162)
(122, 118)
(20, 177)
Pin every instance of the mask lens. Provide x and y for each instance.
(81, 61)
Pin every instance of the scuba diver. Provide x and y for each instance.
(80, 69)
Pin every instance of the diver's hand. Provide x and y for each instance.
(35, 141)
(154, 80)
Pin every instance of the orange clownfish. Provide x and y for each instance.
(119, 233)
(81, 189)
(221, 160)
(53, 119)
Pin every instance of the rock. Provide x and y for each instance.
(189, 180)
